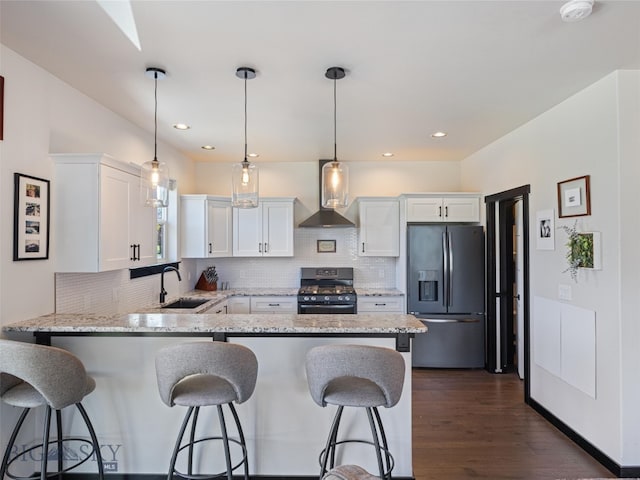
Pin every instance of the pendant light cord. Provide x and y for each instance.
(335, 141)
(245, 116)
(155, 119)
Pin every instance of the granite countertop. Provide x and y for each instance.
(169, 323)
(379, 292)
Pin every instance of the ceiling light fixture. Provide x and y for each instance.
(208, 147)
(154, 175)
(576, 10)
(181, 126)
(335, 175)
(387, 154)
(244, 175)
(438, 134)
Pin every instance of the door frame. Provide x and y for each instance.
(493, 275)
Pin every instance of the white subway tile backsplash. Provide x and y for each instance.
(113, 292)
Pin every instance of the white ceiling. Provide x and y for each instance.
(475, 69)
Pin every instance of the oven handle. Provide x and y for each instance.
(322, 305)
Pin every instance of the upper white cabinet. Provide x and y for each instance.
(265, 231)
(379, 227)
(100, 223)
(205, 225)
(444, 208)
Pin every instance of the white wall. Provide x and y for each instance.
(592, 133)
(44, 115)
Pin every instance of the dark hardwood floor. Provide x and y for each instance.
(470, 424)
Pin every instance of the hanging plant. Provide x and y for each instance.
(580, 248)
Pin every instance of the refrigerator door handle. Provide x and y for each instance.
(445, 279)
(450, 252)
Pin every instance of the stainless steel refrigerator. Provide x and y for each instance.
(445, 290)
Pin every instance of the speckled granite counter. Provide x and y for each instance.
(220, 326)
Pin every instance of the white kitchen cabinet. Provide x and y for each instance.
(379, 227)
(239, 305)
(100, 223)
(265, 231)
(381, 304)
(205, 226)
(444, 208)
(218, 308)
(281, 304)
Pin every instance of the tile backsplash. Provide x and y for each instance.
(114, 292)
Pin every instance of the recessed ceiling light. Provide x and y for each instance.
(439, 134)
(253, 155)
(387, 154)
(181, 126)
(576, 10)
(208, 147)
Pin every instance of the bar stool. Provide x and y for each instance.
(349, 472)
(356, 376)
(37, 375)
(198, 374)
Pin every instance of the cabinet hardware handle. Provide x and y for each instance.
(362, 247)
(380, 304)
(266, 247)
(209, 248)
(446, 211)
(440, 211)
(260, 248)
(133, 252)
(138, 245)
(274, 304)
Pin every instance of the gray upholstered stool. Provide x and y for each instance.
(37, 375)
(349, 472)
(199, 374)
(356, 376)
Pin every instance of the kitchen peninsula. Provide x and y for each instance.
(285, 429)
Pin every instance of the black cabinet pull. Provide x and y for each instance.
(133, 252)
(440, 211)
(210, 248)
(446, 212)
(362, 247)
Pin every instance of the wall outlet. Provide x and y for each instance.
(564, 292)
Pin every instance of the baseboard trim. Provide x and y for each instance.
(618, 470)
(163, 476)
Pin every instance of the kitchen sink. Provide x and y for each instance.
(186, 303)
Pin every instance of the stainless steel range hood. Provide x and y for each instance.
(325, 217)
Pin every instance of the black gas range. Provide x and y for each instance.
(327, 290)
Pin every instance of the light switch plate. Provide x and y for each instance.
(564, 292)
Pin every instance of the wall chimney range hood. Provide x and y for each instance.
(325, 217)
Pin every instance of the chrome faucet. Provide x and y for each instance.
(163, 292)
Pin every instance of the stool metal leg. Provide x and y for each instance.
(192, 438)
(225, 441)
(45, 444)
(330, 448)
(385, 446)
(174, 455)
(243, 443)
(59, 431)
(12, 440)
(376, 442)
(94, 439)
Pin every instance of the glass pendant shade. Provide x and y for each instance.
(335, 182)
(154, 184)
(244, 179)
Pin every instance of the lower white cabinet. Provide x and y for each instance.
(380, 304)
(239, 305)
(274, 304)
(218, 308)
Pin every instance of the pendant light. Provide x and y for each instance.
(335, 175)
(244, 175)
(154, 175)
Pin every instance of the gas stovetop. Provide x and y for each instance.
(326, 286)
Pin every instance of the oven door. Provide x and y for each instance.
(325, 309)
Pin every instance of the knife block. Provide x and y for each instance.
(202, 284)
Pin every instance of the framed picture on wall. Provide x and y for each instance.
(545, 230)
(574, 197)
(31, 218)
